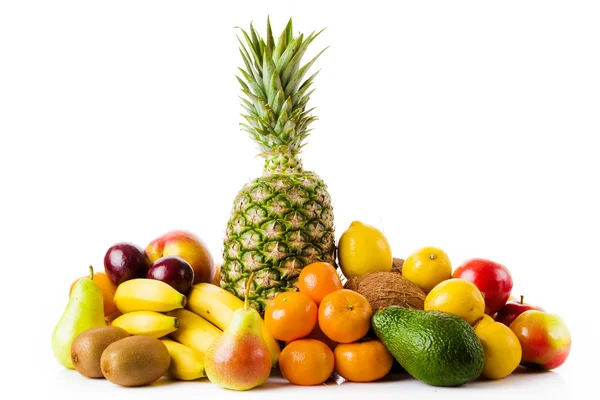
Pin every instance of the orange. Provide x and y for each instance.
(108, 291)
(306, 362)
(318, 334)
(318, 280)
(364, 361)
(290, 316)
(345, 316)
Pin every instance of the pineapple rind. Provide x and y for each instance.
(282, 241)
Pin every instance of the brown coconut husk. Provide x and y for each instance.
(384, 289)
(397, 264)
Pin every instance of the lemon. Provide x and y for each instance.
(501, 349)
(457, 296)
(363, 249)
(486, 319)
(427, 267)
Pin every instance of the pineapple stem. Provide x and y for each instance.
(282, 161)
(248, 283)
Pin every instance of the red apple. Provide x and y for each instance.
(545, 339)
(491, 278)
(188, 246)
(512, 309)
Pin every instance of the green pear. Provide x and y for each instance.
(85, 310)
(239, 359)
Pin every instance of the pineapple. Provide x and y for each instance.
(283, 220)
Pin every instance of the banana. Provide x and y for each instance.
(217, 305)
(143, 294)
(214, 304)
(194, 331)
(187, 364)
(147, 323)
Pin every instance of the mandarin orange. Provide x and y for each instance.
(345, 316)
(306, 362)
(319, 279)
(290, 315)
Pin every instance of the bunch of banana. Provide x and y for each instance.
(187, 325)
(153, 308)
(216, 305)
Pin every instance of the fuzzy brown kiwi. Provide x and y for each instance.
(135, 361)
(87, 348)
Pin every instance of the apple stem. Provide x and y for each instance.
(91, 272)
(248, 283)
(522, 299)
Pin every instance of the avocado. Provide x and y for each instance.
(435, 347)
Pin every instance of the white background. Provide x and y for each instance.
(466, 125)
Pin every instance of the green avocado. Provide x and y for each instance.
(435, 347)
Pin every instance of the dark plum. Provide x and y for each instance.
(173, 270)
(124, 261)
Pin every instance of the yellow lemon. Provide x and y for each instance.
(427, 267)
(501, 349)
(486, 319)
(457, 296)
(363, 249)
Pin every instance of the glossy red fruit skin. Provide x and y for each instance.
(174, 271)
(124, 261)
(545, 339)
(512, 309)
(494, 281)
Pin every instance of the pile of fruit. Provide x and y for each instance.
(287, 295)
(144, 318)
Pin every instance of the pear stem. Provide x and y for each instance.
(91, 272)
(246, 302)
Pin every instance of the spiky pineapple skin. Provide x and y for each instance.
(279, 224)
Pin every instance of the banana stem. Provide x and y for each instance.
(91, 272)
(246, 302)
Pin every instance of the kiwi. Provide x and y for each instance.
(135, 361)
(87, 348)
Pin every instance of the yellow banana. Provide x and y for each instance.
(147, 323)
(194, 331)
(213, 303)
(143, 294)
(217, 305)
(187, 364)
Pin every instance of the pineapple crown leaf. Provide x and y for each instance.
(275, 90)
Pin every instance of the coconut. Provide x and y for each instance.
(384, 289)
(397, 265)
